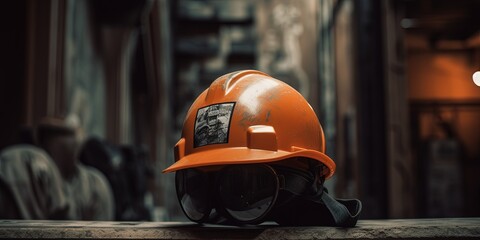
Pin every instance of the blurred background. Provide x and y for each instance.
(391, 82)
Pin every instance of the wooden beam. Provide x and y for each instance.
(366, 229)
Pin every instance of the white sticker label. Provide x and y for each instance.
(212, 124)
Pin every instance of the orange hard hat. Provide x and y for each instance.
(249, 117)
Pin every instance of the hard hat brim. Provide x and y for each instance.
(242, 155)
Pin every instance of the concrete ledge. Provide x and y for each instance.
(460, 228)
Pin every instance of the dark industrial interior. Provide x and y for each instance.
(390, 81)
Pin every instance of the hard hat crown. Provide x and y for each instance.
(249, 117)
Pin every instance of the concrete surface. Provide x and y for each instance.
(366, 229)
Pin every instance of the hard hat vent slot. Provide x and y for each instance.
(262, 137)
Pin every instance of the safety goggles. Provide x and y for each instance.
(243, 194)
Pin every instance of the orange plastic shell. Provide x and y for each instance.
(271, 121)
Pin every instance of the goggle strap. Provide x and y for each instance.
(345, 212)
(293, 183)
(317, 184)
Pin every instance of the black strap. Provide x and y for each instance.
(345, 212)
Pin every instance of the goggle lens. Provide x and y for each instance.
(192, 191)
(248, 192)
